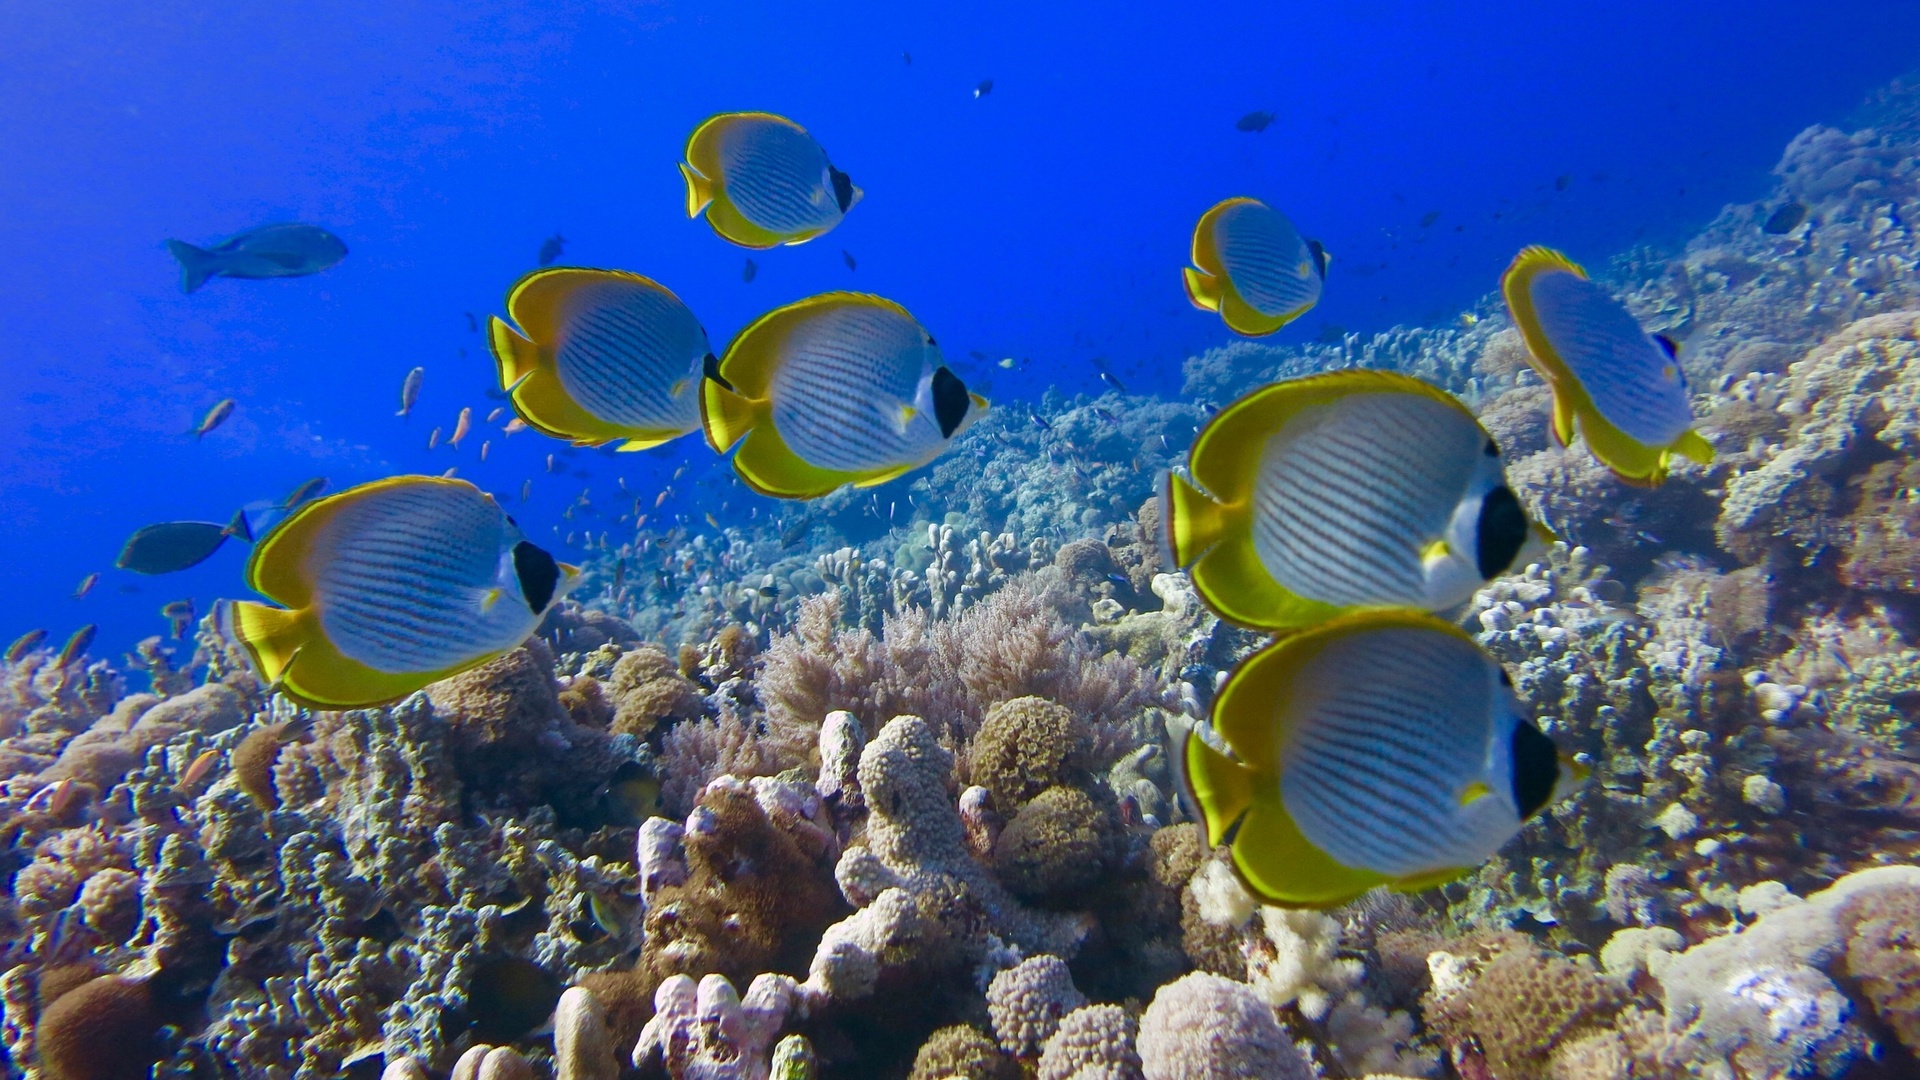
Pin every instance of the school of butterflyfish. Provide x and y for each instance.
(1347, 513)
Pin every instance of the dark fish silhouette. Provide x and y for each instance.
(410, 390)
(848, 256)
(1254, 122)
(1427, 219)
(1786, 219)
(749, 271)
(908, 57)
(473, 326)
(985, 88)
(270, 251)
(551, 247)
(1562, 182)
(176, 545)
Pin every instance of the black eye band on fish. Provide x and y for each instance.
(842, 188)
(950, 401)
(1536, 769)
(710, 367)
(1502, 530)
(538, 574)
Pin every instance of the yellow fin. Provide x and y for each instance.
(727, 417)
(1516, 285)
(1193, 521)
(539, 398)
(876, 479)
(1431, 879)
(699, 190)
(733, 227)
(1694, 447)
(488, 599)
(1475, 792)
(1246, 320)
(271, 636)
(767, 465)
(1562, 425)
(647, 441)
(1281, 866)
(1203, 289)
(1439, 549)
(1221, 788)
(979, 402)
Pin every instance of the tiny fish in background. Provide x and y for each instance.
(1254, 122)
(526, 490)
(1427, 219)
(552, 464)
(749, 271)
(514, 427)
(214, 417)
(907, 58)
(1785, 220)
(762, 181)
(433, 438)
(76, 645)
(450, 473)
(25, 644)
(86, 586)
(271, 251)
(1563, 181)
(473, 326)
(713, 521)
(551, 247)
(484, 445)
(847, 257)
(200, 769)
(180, 614)
(1110, 379)
(983, 89)
(173, 546)
(410, 390)
(461, 427)
(495, 414)
(302, 493)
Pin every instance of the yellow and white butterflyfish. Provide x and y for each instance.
(1339, 491)
(600, 356)
(840, 388)
(1253, 267)
(1619, 387)
(1383, 748)
(763, 181)
(389, 586)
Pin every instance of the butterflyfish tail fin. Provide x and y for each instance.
(1203, 289)
(1193, 521)
(726, 415)
(1218, 789)
(1562, 426)
(196, 264)
(514, 356)
(271, 636)
(699, 190)
(1694, 447)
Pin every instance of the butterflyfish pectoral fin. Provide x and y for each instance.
(679, 387)
(1436, 551)
(1474, 792)
(1203, 289)
(1562, 426)
(488, 599)
(876, 479)
(903, 417)
(699, 190)
(979, 402)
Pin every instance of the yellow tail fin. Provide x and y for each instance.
(514, 356)
(270, 635)
(726, 416)
(699, 190)
(1203, 289)
(1694, 447)
(1193, 522)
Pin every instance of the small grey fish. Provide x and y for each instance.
(551, 247)
(270, 251)
(1786, 219)
(76, 645)
(749, 271)
(1109, 378)
(86, 586)
(214, 418)
(176, 545)
(299, 495)
(410, 390)
(1254, 122)
(1427, 219)
(985, 88)
(25, 644)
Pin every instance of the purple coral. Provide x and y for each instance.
(1092, 1043)
(1204, 1027)
(1027, 1000)
(706, 1031)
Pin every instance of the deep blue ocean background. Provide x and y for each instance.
(1048, 220)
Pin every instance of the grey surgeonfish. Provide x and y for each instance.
(1253, 267)
(840, 388)
(601, 356)
(1383, 748)
(176, 545)
(389, 586)
(270, 251)
(1344, 490)
(763, 181)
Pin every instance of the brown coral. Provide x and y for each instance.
(1883, 955)
(1025, 746)
(1521, 1007)
(646, 688)
(1053, 847)
(962, 1052)
(106, 1029)
(253, 762)
(1084, 561)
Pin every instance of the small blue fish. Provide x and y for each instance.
(1040, 422)
(270, 251)
(550, 249)
(1109, 378)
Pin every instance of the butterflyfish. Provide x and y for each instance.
(1622, 387)
(1344, 490)
(763, 181)
(1383, 748)
(601, 356)
(389, 586)
(1254, 268)
(840, 388)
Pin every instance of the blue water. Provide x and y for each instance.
(1048, 220)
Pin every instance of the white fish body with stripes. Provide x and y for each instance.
(840, 388)
(600, 356)
(1382, 748)
(389, 586)
(763, 181)
(1346, 490)
(1622, 386)
(1253, 267)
